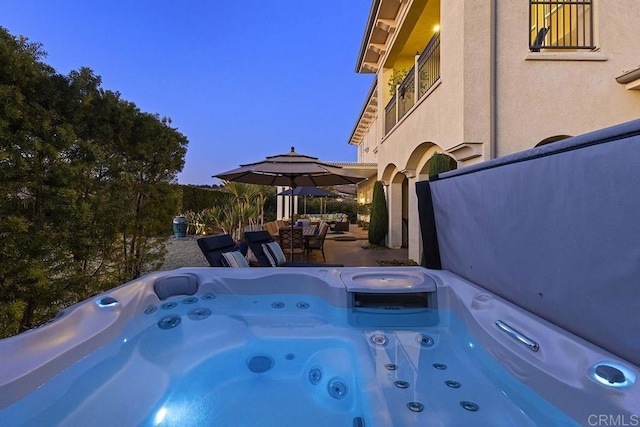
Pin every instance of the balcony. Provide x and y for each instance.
(415, 85)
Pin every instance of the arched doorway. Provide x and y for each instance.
(552, 139)
(417, 169)
(395, 192)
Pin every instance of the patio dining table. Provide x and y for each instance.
(310, 230)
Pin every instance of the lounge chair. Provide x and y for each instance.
(255, 240)
(214, 246)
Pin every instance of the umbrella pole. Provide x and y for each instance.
(291, 216)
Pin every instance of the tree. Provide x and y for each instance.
(85, 186)
(153, 155)
(32, 133)
(379, 223)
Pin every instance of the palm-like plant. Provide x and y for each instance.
(263, 192)
(244, 211)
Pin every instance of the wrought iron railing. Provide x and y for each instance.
(390, 115)
(429, 65)
(408, 93)
(560, 24)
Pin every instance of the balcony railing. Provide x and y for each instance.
(390, 115)
(410, 91)
(406, 94)
(560, 24)
(429, 65)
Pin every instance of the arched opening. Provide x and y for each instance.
(552, 139)
(398, 205)
(440, 162)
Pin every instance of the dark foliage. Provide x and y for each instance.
(198, 198)
(85, 181)
(440, 163)
(379, 222)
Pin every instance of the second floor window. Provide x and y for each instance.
(560, 25)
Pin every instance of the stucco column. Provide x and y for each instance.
(394, 205)
(285, 207)
(279, 203)
(415, 240)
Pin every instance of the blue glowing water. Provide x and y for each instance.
(282, 360)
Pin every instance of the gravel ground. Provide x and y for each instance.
(183, 252)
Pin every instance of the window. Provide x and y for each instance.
(560, 24)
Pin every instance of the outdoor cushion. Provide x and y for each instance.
(274, 253)
(234, 259)
(256, 239)
(213, 247)
(251, 258)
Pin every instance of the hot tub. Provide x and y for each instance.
(308, 346)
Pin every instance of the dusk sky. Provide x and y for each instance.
(242, 79)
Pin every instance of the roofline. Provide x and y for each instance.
(354, 164)
(367, 34)
(372, 90)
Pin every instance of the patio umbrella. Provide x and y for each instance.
(308, 191)
(291, 169)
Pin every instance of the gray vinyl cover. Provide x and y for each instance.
(555, 230)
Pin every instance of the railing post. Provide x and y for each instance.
(397, 104)
(416, 79)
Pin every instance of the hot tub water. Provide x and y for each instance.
(282, 360)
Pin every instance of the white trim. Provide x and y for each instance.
(566, 56)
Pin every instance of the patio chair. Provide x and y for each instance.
(271, 227)
(214, 246)
(318, 241)
(255, 240)
(292, 242)
(341, 226)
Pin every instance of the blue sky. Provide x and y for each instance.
(242, 79)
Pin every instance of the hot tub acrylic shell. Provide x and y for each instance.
(561, 371)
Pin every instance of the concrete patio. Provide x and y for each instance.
(350, 253)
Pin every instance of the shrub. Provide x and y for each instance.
(196, 199)
(440, 163)
(379, 223)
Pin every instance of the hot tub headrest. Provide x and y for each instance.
(170, 286)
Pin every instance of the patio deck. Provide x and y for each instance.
(351, 253)
(184, 252)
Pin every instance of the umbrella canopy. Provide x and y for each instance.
(293, 170)
(308, 191)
